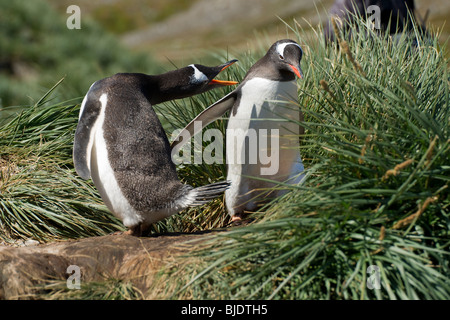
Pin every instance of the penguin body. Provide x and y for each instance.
(259, 106)
(121, 144)
(259, 115)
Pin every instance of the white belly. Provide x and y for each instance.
(103, 176)
(262, 142)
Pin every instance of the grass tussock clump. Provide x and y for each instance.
(375, 203)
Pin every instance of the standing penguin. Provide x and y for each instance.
(120, 144)
(259, 107)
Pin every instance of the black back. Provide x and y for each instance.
(138, 149)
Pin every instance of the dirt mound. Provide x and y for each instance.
(128, 258)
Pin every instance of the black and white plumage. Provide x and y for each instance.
(254, 108)
(120, 144)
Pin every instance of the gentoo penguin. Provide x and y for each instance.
(120, 144)
(255, 112)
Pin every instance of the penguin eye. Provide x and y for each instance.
(281, 57)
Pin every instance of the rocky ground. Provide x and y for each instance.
(26, 266)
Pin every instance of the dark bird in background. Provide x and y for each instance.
(395, 15)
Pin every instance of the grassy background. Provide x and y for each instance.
(37, 50)
(376, 157)
(142, 35)
(182, 31)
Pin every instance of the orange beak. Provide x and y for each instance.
(297, 71)
(224, 82)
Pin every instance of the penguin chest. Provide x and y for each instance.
(262, 137)
(262, 141)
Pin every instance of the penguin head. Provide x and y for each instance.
(201, 78)
(185, 82)
(287, 54)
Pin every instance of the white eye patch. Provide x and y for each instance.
(198, 76)
(281, 46)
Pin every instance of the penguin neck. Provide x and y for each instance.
(168, 86)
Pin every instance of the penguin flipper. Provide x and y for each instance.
(213, 112)
(84, 136)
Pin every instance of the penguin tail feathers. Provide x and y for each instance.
(204, 194)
